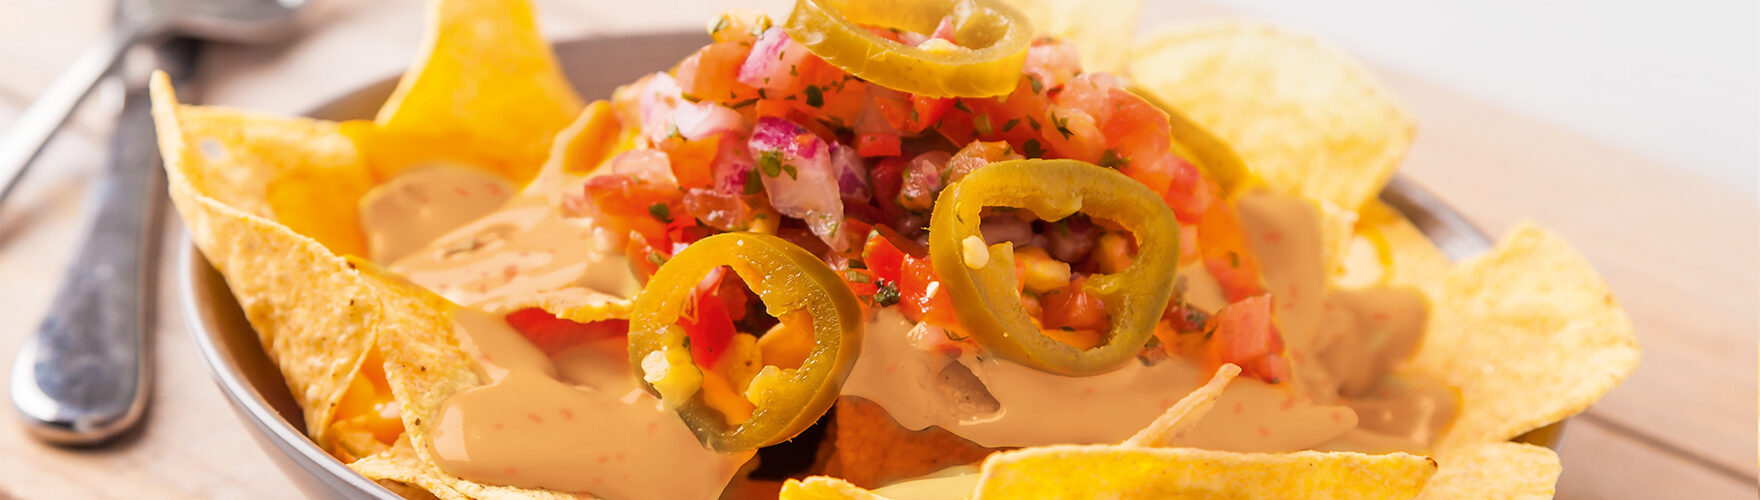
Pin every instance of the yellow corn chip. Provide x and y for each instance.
(1102, 30)
(485, 83)
(824, 488)
(1131, 472)
(1305, 118)
(1495, 470)
(315, 315)
(1529, 334)
(1180, 417)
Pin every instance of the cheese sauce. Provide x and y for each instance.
(408, 211)
(577, 422)
(1342, 343)
(517, 247)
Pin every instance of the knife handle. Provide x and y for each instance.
(83, 377)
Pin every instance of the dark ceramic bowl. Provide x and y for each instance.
(595, 66)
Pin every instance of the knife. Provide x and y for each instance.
(84, 376)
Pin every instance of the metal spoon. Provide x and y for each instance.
(83, 378)
(136, 20)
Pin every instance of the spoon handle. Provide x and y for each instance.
(85, 375)
(44, 117)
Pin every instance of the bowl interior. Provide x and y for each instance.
(596, 66)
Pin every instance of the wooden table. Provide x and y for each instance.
(1679, 251)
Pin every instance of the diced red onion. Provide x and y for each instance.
(661, 97)
(852, 177)
(696, 120)
(768, 66)
(806, 188)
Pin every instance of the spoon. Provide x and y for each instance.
(241, 21)
(84, 376)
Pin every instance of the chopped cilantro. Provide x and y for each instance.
(961, 105)
(792, 173)
(1062, 124)
(1009, 125)
(753, 183)
(770, 162)
(1032, 148)
(688, 97)
(815, 97)
(661, 212)
(857, 277)
(886, 294)
(1110, 159)
(982, 124)
(741, 104)
(1037, 85)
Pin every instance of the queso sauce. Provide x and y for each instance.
(1342, 344)
(578, 421)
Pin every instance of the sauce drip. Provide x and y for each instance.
(410, 210)
(525, 248)
(577, 422)
(1343, 345)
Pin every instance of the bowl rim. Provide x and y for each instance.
(1457, 237)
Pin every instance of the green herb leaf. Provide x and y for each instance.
(961, 105)
(1062, 123)
(982, 124)
(770, 162)
(792, 173)
(753, 183)
(1032, 148)
(886, 294)
(1037, 85)
(1009, 125)
(661, 212)
(1110, 159)
(815, 97)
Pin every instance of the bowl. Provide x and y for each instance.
(596, 66)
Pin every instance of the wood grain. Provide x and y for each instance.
(1680, 253)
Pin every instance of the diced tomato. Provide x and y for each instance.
(644, 260)
(877, 144)
(712, 73)
(920, 296)
(888, 178)
(1072, 133)
(706, 321)
(925, 111)
(634, 203)
(1226, 254)
(692, 159)
(1074, 308)
(553, 335)
(883, 259)
(1242, 333)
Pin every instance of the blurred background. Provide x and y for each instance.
(1630, 127)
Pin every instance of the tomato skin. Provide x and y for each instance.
(883, 259)
(710, 328)
(712, 73)
(1226, 255)
(553, 335)
(1073, 308)
(920, 297)
(878, 144)
(1242, 333)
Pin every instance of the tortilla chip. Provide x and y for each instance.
(577, 304)
(485, 86)
(1132, 472)
(1529, 334)
(1495, 470)
(870, 449)
(315, 316)
(1180, 417)
(824, 488)
(1102, 30)
(401, 464)
(1304, 117)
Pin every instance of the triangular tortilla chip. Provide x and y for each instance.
(1304, 117)
(1162, 473)
(485, 90)
(1529, 334)
(1102, 30)
(1180, 417)
(1495, 470)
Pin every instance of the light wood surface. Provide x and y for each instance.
(1680, 252)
